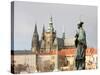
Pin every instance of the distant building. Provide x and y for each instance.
(49, 40)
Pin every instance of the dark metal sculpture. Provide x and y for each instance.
(81, 46)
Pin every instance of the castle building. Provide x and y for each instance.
(48, 53)
(49, 40)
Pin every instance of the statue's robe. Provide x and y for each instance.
(81, 46)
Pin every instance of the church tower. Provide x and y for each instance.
(35, 40)
(42, 42)
(49, 36)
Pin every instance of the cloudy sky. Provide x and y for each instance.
(65, 19)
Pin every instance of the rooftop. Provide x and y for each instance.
(63, 52)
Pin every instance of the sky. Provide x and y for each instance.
(65, 19)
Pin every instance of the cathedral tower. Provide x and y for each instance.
(42, 42)
(49, 36)
(35, 40)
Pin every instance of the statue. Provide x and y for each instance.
(81, 46)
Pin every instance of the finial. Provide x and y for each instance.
(50, 18)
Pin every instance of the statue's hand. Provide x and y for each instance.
(76, 36)
(76, 42)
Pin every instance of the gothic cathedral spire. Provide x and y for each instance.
(43, 31)
(35, 40)
(35, 30)
(50, 27)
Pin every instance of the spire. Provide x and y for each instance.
(50, 27)
(51, 19)
(35, 30)
(43, 29)
(43, 32)
(35, 40)
(63, 35)
(63, 39)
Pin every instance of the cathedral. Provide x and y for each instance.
(49, 40)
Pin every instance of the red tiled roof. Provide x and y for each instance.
(91, 51)
(71, 51)
(52, 52)
(67, 52)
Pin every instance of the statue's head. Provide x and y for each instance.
(80, 24)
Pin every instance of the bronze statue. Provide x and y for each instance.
(81, 46)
